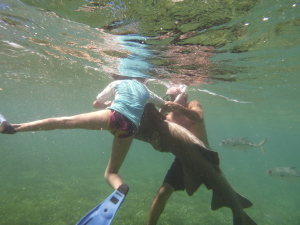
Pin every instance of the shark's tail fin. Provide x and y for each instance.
(260, 145)
(241, 218)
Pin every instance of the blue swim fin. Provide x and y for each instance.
(6, 127)
(104, 213)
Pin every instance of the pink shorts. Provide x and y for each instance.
(120, 126)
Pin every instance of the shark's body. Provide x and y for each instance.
(200, 164)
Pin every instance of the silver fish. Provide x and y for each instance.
(284, 173)
(241, 144)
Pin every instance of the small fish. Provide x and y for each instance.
(241, 143)
(284, 173)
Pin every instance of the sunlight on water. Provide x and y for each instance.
(241, 64)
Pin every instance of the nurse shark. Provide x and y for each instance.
(200, 163)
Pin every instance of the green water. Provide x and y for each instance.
(55, 59)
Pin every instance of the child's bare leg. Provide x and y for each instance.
(119, 151)
(91, 121)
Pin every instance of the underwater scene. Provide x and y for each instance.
(238, 58)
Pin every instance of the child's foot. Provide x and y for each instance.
(7, 128)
